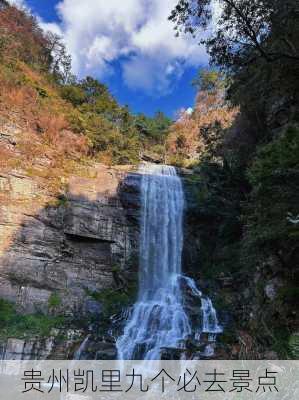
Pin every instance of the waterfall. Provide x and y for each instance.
(80, 350)
(158, 319)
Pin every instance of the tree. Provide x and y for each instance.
(154, 129)
(209, 80)
(243, 30)
(60, 62)
(99, 99)
(21, 37)
(3, 4)
(93, 89)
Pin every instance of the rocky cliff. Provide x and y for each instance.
(69, 259)
(58, 250)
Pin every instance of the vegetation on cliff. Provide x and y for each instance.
(18, 325)
(196, 134)
(241, 141)
(65, 118)
(247, 172)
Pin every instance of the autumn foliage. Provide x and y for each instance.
(70, 118)
(31, 108)
(188, 138)
(21, 37)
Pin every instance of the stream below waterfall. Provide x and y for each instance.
(159, 319)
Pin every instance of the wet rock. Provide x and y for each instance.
(152, 158)
(100, 350)
(110, 353)
(129, 194)
(168, 353)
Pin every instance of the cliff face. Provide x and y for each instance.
(69, 247)
(59, 253)
(74, 254)
(250, 302)
(56, 251)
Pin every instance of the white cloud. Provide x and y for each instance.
(50, 26)
(136, 33)
(17, 3)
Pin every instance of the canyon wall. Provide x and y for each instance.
(57, 250)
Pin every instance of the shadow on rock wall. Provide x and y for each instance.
(56, 252)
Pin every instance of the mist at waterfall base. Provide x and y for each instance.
(158, 319)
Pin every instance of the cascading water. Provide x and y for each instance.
(158, 319)
(81, 349)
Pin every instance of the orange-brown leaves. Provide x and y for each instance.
(186, 136)
(21, 37)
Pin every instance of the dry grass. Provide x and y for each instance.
(45, 148)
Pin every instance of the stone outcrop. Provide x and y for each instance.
(70, 245)
(41, 348)
(63, 247)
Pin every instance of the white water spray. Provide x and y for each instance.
(158, 319)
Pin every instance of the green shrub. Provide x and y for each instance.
(16, 325)
(289, 294)
(73, 94)
(6, 312)
(54, 300)
(294, 345)
(278, 157)
(274, 176)
(113, 301)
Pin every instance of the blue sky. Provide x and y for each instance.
(130, 46)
